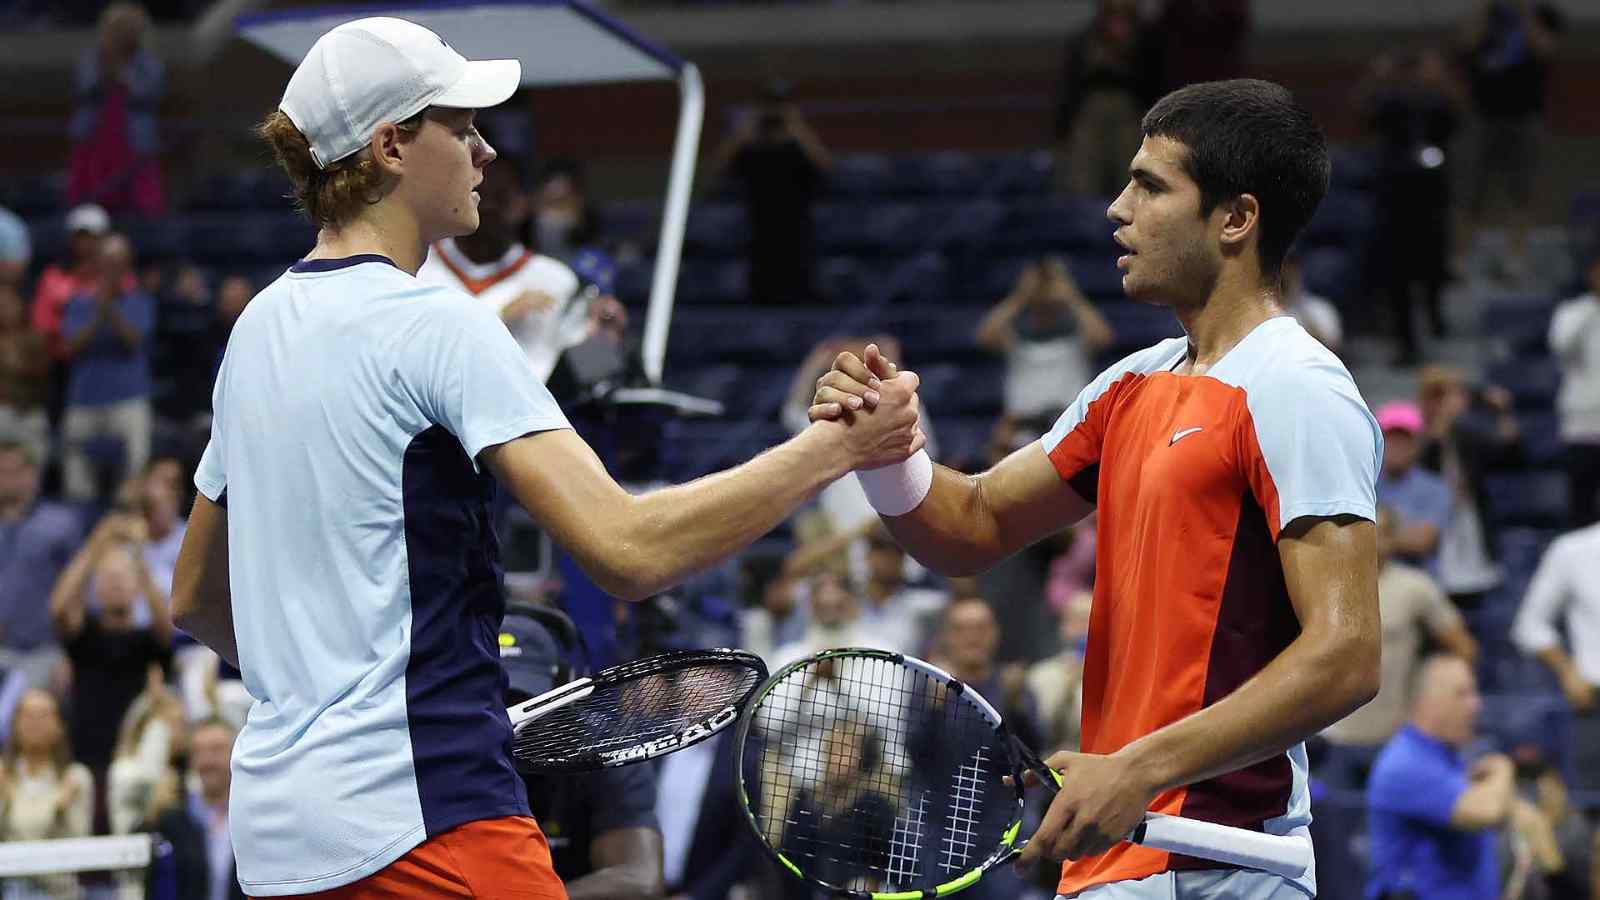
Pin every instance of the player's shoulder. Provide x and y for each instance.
(1281, 360)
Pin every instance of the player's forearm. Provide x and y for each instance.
(669, 534)
(952, 531)
(1315, 682)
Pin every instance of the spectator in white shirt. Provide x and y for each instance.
(534, 294)
(1565, 591)
(1049, 334)
(1575, 341)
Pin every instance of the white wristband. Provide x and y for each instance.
(898, 489)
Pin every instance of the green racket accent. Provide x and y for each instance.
(1011, 834)
(791, 866)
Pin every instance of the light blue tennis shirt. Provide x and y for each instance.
(350, 409)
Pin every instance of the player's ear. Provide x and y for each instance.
(1241, 218)
(387, 148)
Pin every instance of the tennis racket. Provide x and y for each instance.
(876, 775)
(634, 711)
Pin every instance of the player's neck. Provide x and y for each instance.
(381, 230)
(1233, 310)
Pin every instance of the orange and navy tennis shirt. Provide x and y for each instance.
(1194, 478)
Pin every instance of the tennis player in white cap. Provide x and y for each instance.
(340, 550)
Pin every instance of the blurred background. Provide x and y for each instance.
(930, 174)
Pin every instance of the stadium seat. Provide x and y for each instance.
(1019, 174)
(1137, 325)
(1518, 325)
(1533, 381)
(715, 230)
(1097, 275)
(1352, 169)
(846, 280)
(921, 279)
(1541, 439)
(939, 174)
(633, 280)
(631, 220)
(1057, 226)
(35, 196)
(861, 175)
(869, 228)
(1531, 498)
(702, 281)
(1331, 271)
(1521, 549)
(1344, 217)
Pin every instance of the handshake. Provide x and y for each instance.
(871, 406)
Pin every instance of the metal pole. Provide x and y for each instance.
(664, 282)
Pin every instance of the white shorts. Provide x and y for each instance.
(1208, 884)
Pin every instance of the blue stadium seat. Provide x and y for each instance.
(691, 448)
(1521, 549)
(1344, 217)
(1056, 226)
(1097, 275)
(1137, 325)
(162, 238)
(36, 196)
(226, 192)
(1352, 169)
(1518, 325)
(944, 332)
(1541, 719)
(861, 175)
(702, 281)
(631, 220)
(1020, 174)
(1585, 211)
(950, 173)
(965, 226)
(633, 280)
(993, 278)
(715, 229)
(1541, 439)
(921, 279)
(1333, 272)
(1532, 498)
(870, 228)
(962, 439)
(846, 280)
(1533, 381)
(48, 237)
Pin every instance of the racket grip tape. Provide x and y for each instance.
(1286, 855)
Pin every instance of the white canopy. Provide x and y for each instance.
(559, 42)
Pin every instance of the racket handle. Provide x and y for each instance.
(1286, 855)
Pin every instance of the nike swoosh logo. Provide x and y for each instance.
(1180, 435)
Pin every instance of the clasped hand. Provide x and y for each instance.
(878, 404)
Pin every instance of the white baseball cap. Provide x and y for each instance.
(90, 217)
(370, 71)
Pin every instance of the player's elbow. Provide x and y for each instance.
(1361, 676)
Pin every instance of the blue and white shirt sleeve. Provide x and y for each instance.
(470, 376)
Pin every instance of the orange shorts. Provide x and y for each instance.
(491, 858)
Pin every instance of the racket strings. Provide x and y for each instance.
(637, 710)
(873, 775)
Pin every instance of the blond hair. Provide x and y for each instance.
(333, 196)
